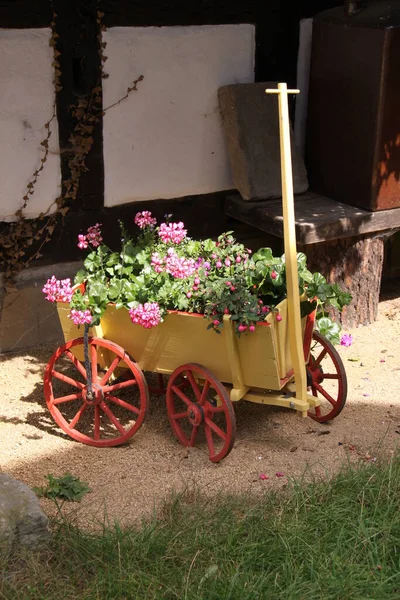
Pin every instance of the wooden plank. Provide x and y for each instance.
(318, 218)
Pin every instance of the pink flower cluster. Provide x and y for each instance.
(80, 317)
(172, 232)
(144, 219)
(92, 237)
(57, 290)
(178, 267)
(147, 315)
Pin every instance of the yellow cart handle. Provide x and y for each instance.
(289, 238)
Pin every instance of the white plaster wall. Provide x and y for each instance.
(26, 101)
(166, 139)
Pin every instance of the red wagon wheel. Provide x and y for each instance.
(327, 379)
(199, 406)
(116, 409)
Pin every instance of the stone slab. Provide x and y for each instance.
(251, 123)
(26, 319)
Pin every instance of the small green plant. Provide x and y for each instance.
(67, 488)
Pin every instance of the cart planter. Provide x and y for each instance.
(208, 372)
(96, 390)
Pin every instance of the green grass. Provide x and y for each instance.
(326, 540)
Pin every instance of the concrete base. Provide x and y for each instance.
(26, 318)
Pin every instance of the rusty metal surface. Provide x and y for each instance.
(353, 127)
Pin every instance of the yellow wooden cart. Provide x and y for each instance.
(283, 363)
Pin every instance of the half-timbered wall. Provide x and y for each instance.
(162, 148)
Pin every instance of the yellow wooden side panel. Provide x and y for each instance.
(180, 339)
(184, 338)
(70, 330)
(257, 353)
(281, 336)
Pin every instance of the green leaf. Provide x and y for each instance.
(80, 277)
(97, 290)
(115, 289)
(264, 255)
(92, 262)
(329, 329)
(129, 253)
(113, 259)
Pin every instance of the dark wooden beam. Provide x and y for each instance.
(77, 27)
(21, 14)
(142, 13)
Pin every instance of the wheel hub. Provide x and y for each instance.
(96, 397)
(315, 373)
(195, 414)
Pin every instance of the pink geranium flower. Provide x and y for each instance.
(147, 315)
(172, 232)
(80, 317)
(346, 339)
(144, 219)
(57, 290)
(179, 267)
(93, 235)
(82, 242)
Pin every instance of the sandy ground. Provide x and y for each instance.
(128, 482)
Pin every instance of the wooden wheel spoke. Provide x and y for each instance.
(337, 398)
(192, 441)
(204, 393)
(112, 417)
(110, 370)
(67, 379)
(182, 415)
(97, 422)
(77, 416)
(76, 363)
(209, 440)
(181, 395)
(325, 394)
(194, 385)
(321, 356)
(119, 386)
(123, 404)
(216, 429)
(216, 409)
(69, 398)
(93, 356)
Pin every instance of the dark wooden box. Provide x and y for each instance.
(353, 123)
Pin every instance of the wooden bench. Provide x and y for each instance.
(344, 243)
